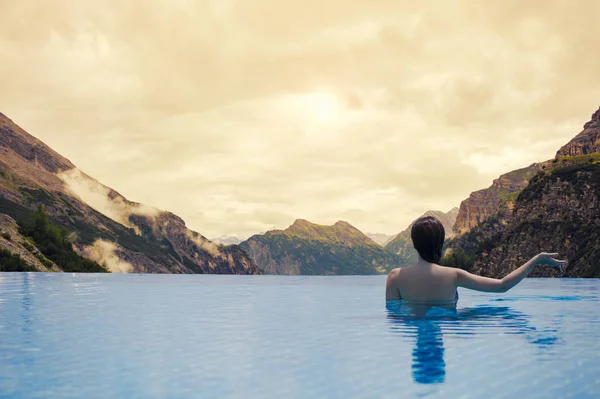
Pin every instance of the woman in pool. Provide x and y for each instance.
(428, 282)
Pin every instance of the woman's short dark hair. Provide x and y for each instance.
(428, 235)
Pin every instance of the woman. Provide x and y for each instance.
(428, 282)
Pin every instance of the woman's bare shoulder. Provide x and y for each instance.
(391, 285)
(393, 274)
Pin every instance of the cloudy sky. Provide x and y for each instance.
(243, 115)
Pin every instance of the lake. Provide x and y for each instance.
(209, 336)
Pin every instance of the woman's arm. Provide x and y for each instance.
(474, 282)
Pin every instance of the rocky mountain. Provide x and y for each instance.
(558, 211)
(586, 142)
(104, 225)
(311, 249)
(484, 203)
(402, 246)
(379, 238)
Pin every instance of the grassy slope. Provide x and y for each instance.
(325, 250)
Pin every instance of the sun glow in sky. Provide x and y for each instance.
(322, 107)
(241, 116)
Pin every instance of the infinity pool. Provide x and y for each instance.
(176, 336)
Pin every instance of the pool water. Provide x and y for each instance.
(207, 336)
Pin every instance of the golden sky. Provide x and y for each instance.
(241, 116)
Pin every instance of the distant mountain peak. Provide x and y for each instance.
(340, 232)
(310, 248)
(380, 238)
(301, 222)
(227, 240)
(342, 223)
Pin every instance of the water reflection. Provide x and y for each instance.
(428, 355)
(27, 302)
(428, 324)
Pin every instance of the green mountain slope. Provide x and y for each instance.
(310, 249)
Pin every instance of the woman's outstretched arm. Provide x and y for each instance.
(486, 284)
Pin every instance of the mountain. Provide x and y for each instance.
(310, 249)
(558, 211)
(104, 226)
(586, 142)
(504, 190)
(379, 238)
(402, 245)
(484, 203)
(227, 240)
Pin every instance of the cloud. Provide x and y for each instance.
(102, 199)
(242, 115)
(104, 253)
(210, 247)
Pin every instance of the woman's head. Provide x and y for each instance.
(428, 235)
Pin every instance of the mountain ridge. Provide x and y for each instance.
(311, 249)
(340, 232)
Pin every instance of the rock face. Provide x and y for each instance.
(311, 249)
(402, 245)
(558, 211)
(103, 222)
(586, 142)
(485, 203)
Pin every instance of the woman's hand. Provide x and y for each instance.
(547, 258)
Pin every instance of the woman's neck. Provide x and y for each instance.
(423, 263)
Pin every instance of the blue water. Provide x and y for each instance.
(175, 336)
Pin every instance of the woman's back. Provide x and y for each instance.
(424, 282)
